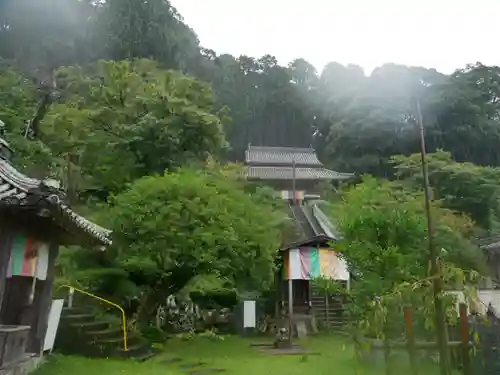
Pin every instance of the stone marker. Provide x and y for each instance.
(301, 329)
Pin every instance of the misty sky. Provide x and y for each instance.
(441, 34)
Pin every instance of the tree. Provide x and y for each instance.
(463, 187)
(190, 228)
(385, 245)
(327, 287)
(392, 218)
(147, 29)
(371, 118)
(463, 114)
(40, 36)
(134, 119)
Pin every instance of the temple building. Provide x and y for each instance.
(311, 253)
(35, 221)
(282, 167)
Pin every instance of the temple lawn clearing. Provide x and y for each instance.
(232, 356)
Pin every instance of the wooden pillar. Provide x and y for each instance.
(5, 246)
(410, 340)
(290, 307)
(41, 304)
(309, 295)
(277, 282)
(464, 338)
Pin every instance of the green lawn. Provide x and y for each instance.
(234, 355)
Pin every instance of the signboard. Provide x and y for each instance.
(53, 324)
(249, 314)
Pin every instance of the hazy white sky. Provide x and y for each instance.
(441, 34)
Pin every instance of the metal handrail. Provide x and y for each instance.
(124, 319)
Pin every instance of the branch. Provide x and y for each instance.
(40, 113)
(107, 129)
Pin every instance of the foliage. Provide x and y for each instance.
(191, 231)
(101, 116)
(385, 244)
(152, 119)
(236, 356)
(384, 312)
(356, 122)
(147, 29)
(463, 187)
(133, 119)
(327, 288)
(208, 334)
(326, 285)
(387, 215)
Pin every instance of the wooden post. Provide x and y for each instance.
(5, 249)
(290, 308)
(290, 281)
(327, 310)
(387, 350)
(434, 258)
(410, 340)
(464, 338)
(43, 301)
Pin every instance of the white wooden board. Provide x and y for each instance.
(249, 314)
(53, 323)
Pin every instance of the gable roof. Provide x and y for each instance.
(19, 190)
(314, 225)
(260, 155)
(491, 243)
(308, 242)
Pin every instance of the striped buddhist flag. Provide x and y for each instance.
(308, 263)
(28, 258)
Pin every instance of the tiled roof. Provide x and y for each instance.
(281, 156)
(16, 188)
(312, 222)
(286, 173)
(491, 242)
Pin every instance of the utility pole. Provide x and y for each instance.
(434, 258)
(290, 280)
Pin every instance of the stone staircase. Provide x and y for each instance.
(84, 332)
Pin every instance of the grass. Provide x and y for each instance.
(234, 355)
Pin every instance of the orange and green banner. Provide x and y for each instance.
(28, 258)
(307, 263)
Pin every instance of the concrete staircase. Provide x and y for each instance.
(83, 332)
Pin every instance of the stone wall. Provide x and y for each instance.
(24, 367)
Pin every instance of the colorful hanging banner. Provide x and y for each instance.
(308, 263)
(28, 258)
(286, 194)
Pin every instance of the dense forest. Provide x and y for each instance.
(102, 94)
(355, 121)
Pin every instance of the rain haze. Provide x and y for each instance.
(443, 34)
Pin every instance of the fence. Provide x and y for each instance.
(473, 343)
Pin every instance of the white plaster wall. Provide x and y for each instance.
(485, 297)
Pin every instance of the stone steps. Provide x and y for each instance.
(83, 332)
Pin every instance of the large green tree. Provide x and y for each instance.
(147, 29)
(463, 187)
(188, 230)
(115, 122)
(385, 243)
